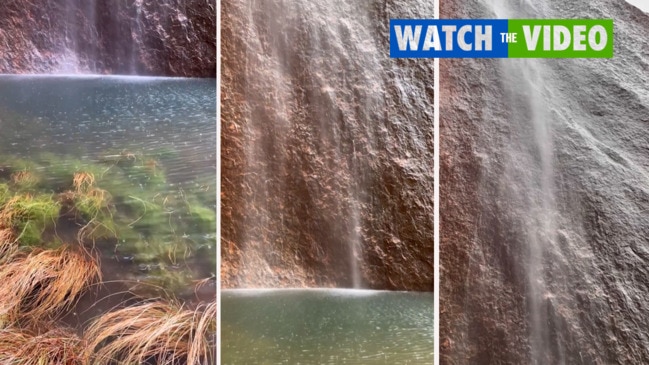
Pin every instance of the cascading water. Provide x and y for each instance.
(107, 182)
(136, 37)
(327, 167)
(542, 253)
(524, 85)
(334, 188)
(317, 110)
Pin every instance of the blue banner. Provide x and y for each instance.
(448, 38)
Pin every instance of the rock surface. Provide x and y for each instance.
(327, 148)
(544, 198)
(132, 37)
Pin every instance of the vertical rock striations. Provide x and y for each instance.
(327, 148)
(142, 37)
(586, 302)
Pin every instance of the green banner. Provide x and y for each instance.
(560, 38)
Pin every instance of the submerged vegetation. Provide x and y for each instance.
(60, 217)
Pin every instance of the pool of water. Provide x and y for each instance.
(89, 116)
(328, 326)
(151, 145)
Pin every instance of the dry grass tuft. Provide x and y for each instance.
(83, 181)
(165, 334)
(8, 244)
(25, 179)
(54, 347)
(44, 283)
(203, 344)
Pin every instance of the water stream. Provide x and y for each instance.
(327, 165)
(327, 148)
(549, 266)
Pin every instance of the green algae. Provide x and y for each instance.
(29, 216)
(122, 202)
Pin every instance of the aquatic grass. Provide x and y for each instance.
(165, 333)
(123, 201)
(92, 207)
(159, 247)
(41, 208)
(14, 163)
(45, 283)
(95, 208)
(54, 347)
(98, 229)
(5, 193)
(161, 281)
(61, 172)
(83, 181)
(29, 216)
(203, 218)
(91, 203)
(141, 171)
(25, 180)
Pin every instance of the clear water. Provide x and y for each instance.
(90, 115)
(326, 326)
(94, 120)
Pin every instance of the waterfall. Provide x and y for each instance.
(329, 38)
(174, 37)
(544, 245)
(137, 35)
(532, 167)
(335, 186)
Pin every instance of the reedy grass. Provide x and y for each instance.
(5, 194)
(25, 180)
(129, 199)
(83, 181)
(29, 216)
(43, 284)
(54, 347)
(164, 333)
(41, 208)
(92, 206)
(89, 201)
(8, 244)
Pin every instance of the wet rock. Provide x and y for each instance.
(590, 263)
(143, 37)
(327, 148)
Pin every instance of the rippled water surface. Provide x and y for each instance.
(88, 116)
(151, 145)
(326, 327)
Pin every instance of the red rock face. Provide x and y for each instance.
(142, 37)
(327, 144)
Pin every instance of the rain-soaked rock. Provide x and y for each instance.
(327, 147)
(143, 37)
(544, 198)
